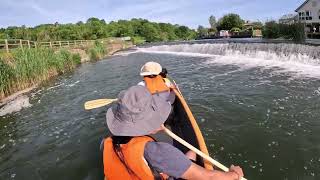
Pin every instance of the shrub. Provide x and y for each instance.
(137, 40)
(98, 51)
(93, 54)
(275, 30)
(76, 58)
(271, 30)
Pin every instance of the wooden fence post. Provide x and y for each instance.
(60, 43)
(35, 44)
(50, 44)
(20, 44)
(6, 44)
(29, 44)
(68, 43)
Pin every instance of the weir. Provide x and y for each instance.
(297, 59)
(281, 51)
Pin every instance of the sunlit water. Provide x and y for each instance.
(257, 106)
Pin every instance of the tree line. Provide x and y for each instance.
(142, 30)
(94, 28)
(230, 22)
(236, 25)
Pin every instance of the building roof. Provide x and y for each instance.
(302, 5)
(288, 16)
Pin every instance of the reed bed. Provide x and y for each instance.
(22, 68)
(98, 51)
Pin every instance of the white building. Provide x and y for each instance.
(224, 33)
(309, 14)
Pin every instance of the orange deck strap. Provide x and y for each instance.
(200, 139)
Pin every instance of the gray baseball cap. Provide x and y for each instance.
(137, 112)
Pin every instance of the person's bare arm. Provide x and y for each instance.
(196, 172)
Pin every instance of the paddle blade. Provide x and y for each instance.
(97, 103)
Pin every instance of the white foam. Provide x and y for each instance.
(53, 87)
(317, 92)
(295, 68)
(125, 53)
(297, 60)
(15, 105)
(192, 54)
(73, 84)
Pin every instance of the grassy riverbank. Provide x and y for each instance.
(23, 68)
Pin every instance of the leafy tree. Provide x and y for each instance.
(212, 31)
(79, 23)
(191, 35)
(275, 30)
(257, 25)
(124, 28)
(230, 21)
(271, 30)
(182, 32)
(213, 22)
(202, 31)
(150, 32)
(96, 27)
(169, 30)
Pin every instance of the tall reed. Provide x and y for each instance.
(22, 68)
(98, 51)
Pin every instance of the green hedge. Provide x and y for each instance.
(274, 30)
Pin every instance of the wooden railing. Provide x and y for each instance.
(7, 44)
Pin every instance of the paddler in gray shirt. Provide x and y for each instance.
(130, 153)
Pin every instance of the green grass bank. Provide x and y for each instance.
(23, 67)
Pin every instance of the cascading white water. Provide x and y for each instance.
(301, 59)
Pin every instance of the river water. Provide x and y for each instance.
(257, 105)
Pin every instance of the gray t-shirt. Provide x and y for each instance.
(166, 158)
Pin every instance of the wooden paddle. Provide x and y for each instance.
(98, 103)
(197, 151)
(93, 104)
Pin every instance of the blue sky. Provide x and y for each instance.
(185, 12)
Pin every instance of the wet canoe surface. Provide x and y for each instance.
(183, 124)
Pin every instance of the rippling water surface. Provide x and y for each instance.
(257, 107)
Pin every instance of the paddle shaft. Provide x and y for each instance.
(197, 151)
